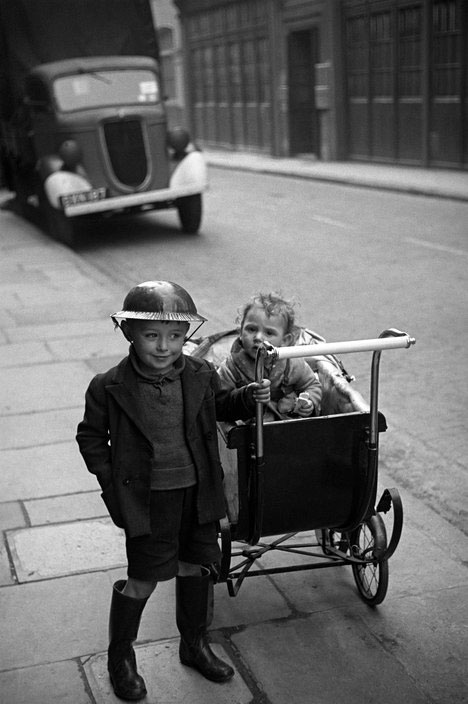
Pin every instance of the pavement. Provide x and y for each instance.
(299, 638)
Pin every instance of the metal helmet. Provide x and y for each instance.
(159, 300)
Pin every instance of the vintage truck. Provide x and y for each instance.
(83, 124)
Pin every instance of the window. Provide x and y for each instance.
(93, 89)
(167, 57)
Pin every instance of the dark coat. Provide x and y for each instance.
(116, 447)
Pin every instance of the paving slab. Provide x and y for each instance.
(102, 345)
(44, 387)
(6, 574)
(258, 601)
(12, 515)
(17, 353)
(6, 320)
(54, 620)
(57, 683)
(58, 330)
(39, 428)
(79, 290)
(167, 681)
(63, 310)
(74, 507)
(43, 552)
(48, 470)
(69, 349)
(442, 183)
(324, 658)
(435, 654)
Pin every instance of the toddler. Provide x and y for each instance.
(295, 389)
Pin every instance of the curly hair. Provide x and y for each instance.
(273, 304)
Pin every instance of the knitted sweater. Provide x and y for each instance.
(161, 405)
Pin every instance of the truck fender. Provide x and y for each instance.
(61, 183)
(191, 171)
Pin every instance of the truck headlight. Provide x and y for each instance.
(70, 153)
(178, 139)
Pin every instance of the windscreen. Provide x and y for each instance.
(105, 89)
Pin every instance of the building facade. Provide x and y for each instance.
(370, 80)
(168, 29)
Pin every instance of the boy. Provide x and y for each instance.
(149, 435)
(295, 389)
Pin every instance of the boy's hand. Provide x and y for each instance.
(261, 391)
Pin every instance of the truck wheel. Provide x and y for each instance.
(190, 212)
(58, 226)
(19, 186)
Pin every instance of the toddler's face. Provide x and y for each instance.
(157, 343)
(258, 327)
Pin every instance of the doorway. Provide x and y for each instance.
(303, 124)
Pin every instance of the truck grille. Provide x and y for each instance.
(126, 149)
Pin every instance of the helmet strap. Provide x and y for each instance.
(194, 331)
(123, 330)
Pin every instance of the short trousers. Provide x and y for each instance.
(175, 535)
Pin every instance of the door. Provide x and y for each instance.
(303, 126)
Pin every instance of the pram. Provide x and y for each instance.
(289, 480)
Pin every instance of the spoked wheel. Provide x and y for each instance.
(370, 540)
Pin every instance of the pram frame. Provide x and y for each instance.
(336, 551)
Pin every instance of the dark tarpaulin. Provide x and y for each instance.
(38, 31)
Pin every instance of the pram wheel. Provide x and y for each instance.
(370, 540)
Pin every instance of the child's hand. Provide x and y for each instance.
(261, 391)
(304, 406)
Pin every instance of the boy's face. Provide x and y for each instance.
(158, 343)
(259, 327)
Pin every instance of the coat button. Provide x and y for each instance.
(126, 482)
(209, 436)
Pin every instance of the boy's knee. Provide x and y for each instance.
(186, 569)
(139, 589)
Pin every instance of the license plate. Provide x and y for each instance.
(83, 197)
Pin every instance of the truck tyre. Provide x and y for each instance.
(57, 224)
(19, 186)
(190, 212)
(60, 227)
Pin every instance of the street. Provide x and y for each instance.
(357, 261)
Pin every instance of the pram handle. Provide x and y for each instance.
(389, 339)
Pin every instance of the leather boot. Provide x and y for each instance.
(124, 621)
(194, 599)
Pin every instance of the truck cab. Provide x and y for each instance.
(87, 136)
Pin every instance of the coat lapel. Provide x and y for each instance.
(121, 390)
(195, 378)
